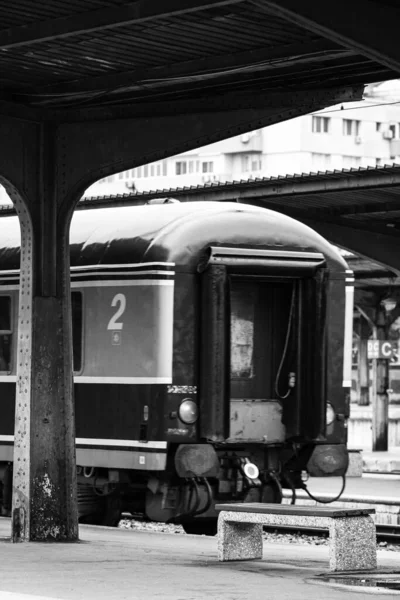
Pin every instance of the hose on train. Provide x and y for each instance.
(209, 498)
(304, 487)
(285, 349)
(322, 501)
(292, 487)
(273, 476)
(194, 488)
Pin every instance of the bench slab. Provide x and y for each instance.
(352, 536)
(293, 509)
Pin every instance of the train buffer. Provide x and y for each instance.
(352, 532)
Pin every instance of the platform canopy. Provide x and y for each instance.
(94, 59)
(94, 87)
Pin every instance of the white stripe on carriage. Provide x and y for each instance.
(96, 379)
(136, 273)
(95, 267)
(122, 283)
(121, 443)
(106, 442)
(119, 266)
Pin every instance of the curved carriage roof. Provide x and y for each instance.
(177, 233)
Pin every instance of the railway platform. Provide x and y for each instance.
(381, 462)
(120, 564)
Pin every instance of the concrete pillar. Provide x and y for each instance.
(363, 366)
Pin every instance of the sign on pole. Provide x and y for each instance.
(381, 348)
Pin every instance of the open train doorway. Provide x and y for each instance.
(263, 357)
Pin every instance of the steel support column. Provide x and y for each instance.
(44, 476)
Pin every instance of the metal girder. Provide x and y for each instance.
(286, 104)
(113, 145)
(362, 209)
(384, 249)
(261, 58)
(298, 186)
(368, 26)
(104, 18)
(13, 110)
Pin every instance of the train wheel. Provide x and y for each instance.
(201, 527)
(107, 512)
(111, 513)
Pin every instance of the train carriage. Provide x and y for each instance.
(212, 356)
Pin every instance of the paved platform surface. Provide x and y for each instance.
(381, 461)
(377, 487)
(124, 564)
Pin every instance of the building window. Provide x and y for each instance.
(320, 124)
(320, 161)
(180, 167)
(5, 333)
(378, 126)
(350, 162)
(351, 127)
(207, 167)
(77, 329)
(251, 162)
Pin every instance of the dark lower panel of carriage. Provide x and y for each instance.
(105, 411)
(122, 412)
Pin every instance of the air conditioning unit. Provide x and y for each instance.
(387, 135)
(358, 139)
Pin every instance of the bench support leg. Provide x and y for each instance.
(352, 544)
(239, 541)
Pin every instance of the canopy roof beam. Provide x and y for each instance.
(105, 18)
(363, 25)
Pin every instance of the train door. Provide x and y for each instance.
(262, 346)
(263, 357)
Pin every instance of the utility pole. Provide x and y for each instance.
(363, 365)
(380, 409)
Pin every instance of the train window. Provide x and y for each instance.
(77, 321)
(242, 332)
(5, 333)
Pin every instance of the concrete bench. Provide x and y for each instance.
(352, 532)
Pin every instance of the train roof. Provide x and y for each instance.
(178, 233)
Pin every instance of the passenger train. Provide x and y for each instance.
(212, 358)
